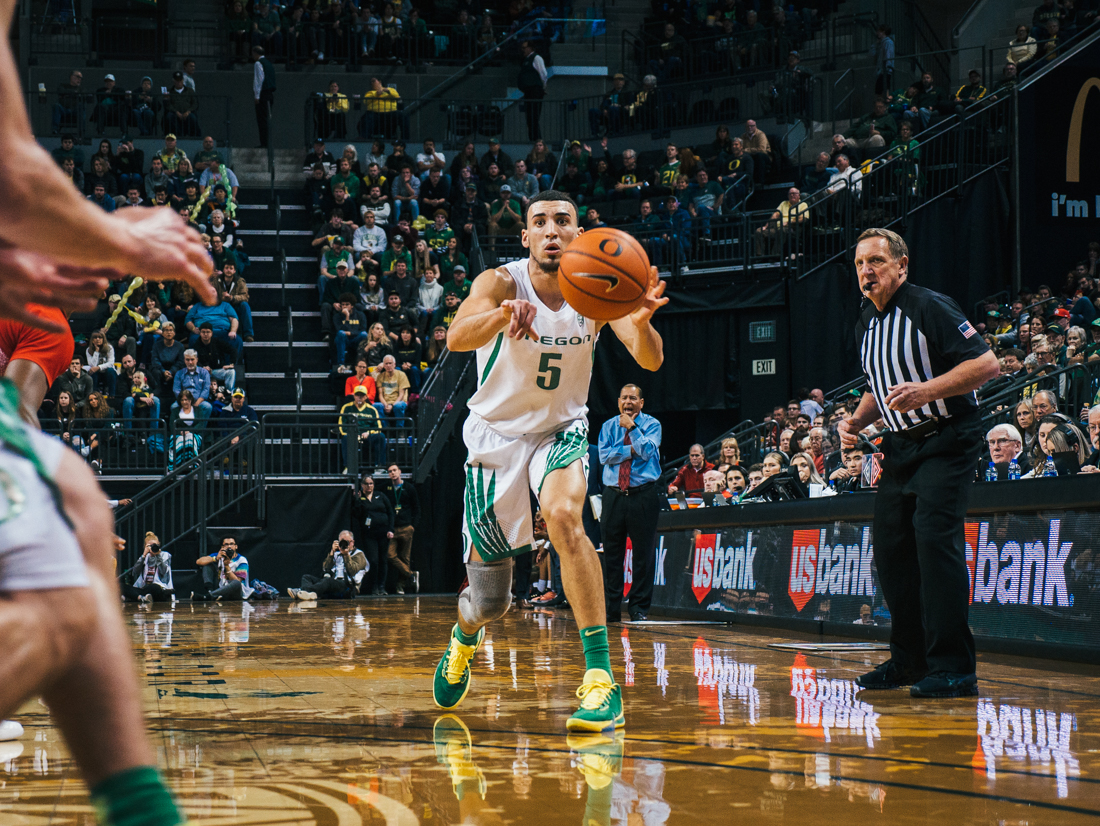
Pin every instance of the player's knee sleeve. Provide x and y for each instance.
(489, 594)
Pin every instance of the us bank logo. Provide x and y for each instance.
(1075, 203)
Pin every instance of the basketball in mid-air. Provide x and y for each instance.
(604, 274)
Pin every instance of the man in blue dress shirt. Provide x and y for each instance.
(630, 447)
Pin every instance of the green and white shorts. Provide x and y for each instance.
(501, 471)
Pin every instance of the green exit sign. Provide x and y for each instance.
(761, 332)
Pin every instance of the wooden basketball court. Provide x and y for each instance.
(298, 713)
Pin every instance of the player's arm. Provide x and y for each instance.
(635, 330)
(490, 308)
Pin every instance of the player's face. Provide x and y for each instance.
(879, 273)
(551, 228)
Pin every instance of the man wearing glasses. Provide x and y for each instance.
(1005, 443)
(225, 576)
(1093, 463)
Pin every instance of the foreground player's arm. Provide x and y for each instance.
(637, 333)
(43, 210)
(866, 413)
(488, 310)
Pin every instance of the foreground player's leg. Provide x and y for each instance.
(70, 645)
(33, 386)
(562, 498)
(486, 598)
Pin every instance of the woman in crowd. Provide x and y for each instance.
(65, 413)
(542, 164)
(1026, 424)
(603, 182)
(452, 257)
(1023, 335)
(373, 297)
(219, 227)
(184, 443)
(183, 298)
(376, 155)
(729, 454)
(423, 260)
(773, 463)
(104, 152)
(376, 347)
(360, 378)
(408, 353)
(467, 157)
(100, 358)
(1038, 325)
(1050, 441)
(1075, 345)
(807, 473)
(722, 144)
(93, 432)
(437, 344)
(351, 155)
(1022, 48)
(689, 164)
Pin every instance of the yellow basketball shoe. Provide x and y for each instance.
(455, 749)
(601, 704)
(452, 675)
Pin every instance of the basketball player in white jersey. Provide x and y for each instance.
(528, 430)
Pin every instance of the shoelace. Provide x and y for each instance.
(595, 694)
(458, 658)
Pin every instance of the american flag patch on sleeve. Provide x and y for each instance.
(967, 329)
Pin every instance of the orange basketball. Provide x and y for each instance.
(604, 274)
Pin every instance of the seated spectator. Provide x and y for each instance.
(377, 204)
(361, 378)
(847, 479)
(209, 158)
(840, 147)
(68, 149)
(100, 198)
(375, 176)
(393, 391)
(437, 345)
(435, 193)
(382, 116)
(157, 178)
(343, 570)
(408, 353)
(234, 291)
(396, 252)
(236, 414)
(128, 165)
(652, 233)
(100, 360)
(332, 113)
(489, 185)
(470, 216)
(370, 239)
(74, 174)
(873, 132)
(344, 283)
(736, 481)
(459, 283)
(395, 315)
(1092, 464)
(505, 214)
(816, 179)
(75, 382)
(150, 579)
(844, 184)
(774, 462)
(377, 346)
(446, 314)
(133, 198)
(1022, 48)
(756, 144)
(689, 478)
(704, 200)
(431, 159)
(334, 258)
(343, 206)
(223, 320)
(225, 575)
(319, 155)
(679, 234)
(195, 381)
(166, 357)
(350, 324)
(406, 193)
(525, 186)
(608, 118)
(140, 401)
(367, 430)
(803, 464)
(971, 93)
(398, 160)
(216, 355)
(439, 233)
(495, 155)
(333, 228)
(180, 108)
(1005, 445)
(372, 298)
(790, 214)
(927, 102)
(318, 194)
(214, 175)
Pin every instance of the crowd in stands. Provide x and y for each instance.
(144, 108)
(150, 353)
(1043, 411)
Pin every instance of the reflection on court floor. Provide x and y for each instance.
(321, 715)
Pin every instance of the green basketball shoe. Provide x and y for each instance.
(452, 675)
(454, 749)
(601, 704)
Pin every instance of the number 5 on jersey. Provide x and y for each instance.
(552, 372)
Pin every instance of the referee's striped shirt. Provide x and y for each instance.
(919, 335)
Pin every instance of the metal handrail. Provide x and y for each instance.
(289, 338)
(848, 98)
(469, 68)
(298, 391)
(561, 162)
(283, 273)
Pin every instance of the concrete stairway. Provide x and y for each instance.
(251, 168)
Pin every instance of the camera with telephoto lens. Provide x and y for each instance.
(154, 548)
(343, 544)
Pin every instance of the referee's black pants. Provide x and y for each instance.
(630, 515)
(920, 551)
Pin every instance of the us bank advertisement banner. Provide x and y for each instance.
(1032, 576)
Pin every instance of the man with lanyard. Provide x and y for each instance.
(630, 448)
(923, 361)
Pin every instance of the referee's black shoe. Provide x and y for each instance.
(886, 676)
(946, 684)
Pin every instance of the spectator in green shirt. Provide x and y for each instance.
(450, 259)
(873, 132)
(395, 253)
(208, 156)
(458, 285)
(504, 214)
(666, 175)
(345, 176)
(704, 200)
(439, 234)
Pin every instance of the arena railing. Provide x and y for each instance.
(180, 506)
(1075, 385)
(307, 446)
(752, 439)
(134, 450)
(80, 116)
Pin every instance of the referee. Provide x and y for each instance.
(630, 454)
(923, 361)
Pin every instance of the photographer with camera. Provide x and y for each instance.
(150, 580)
(224, 576)
(344, 567)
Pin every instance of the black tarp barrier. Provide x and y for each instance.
(807, 566)
(824, 309)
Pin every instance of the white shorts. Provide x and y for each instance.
(38, 550)
(501, 473)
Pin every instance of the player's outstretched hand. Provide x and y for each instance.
(29, 278)
(521, 315)
(654, 300)
(167, 249)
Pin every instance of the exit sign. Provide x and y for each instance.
(763, 367)
(761, 332)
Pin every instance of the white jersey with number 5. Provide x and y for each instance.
(527, 387)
